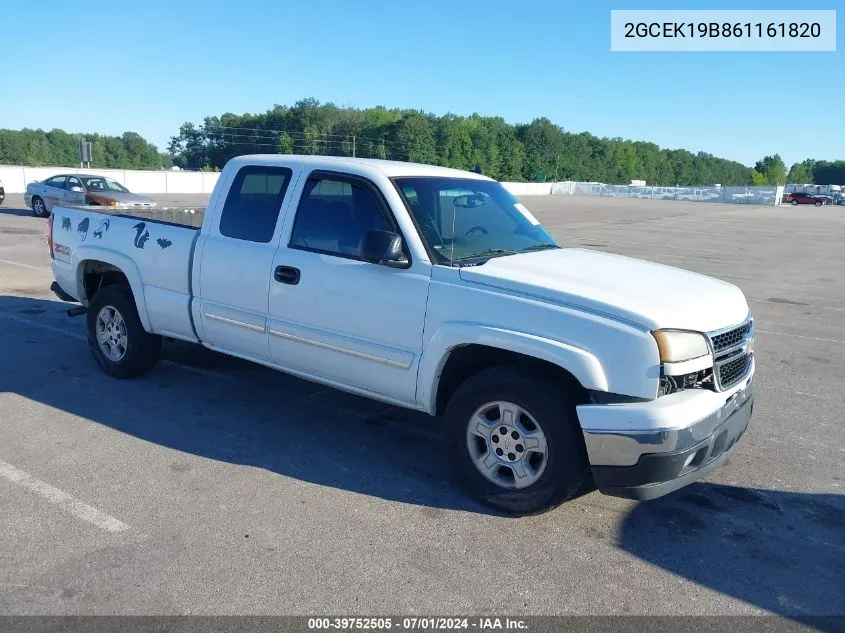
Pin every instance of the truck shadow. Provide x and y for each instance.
(231, 410)
(780, 551)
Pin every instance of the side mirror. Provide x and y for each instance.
(77, 189)
(383, 247)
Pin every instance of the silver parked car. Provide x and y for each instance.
(79, 189)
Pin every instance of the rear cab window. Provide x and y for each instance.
(253, 204)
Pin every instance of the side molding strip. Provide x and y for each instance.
(343, 350)
(248, 326)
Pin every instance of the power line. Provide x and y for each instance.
(268, 133)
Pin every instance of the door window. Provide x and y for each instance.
(255, 199)
(334, 215)
(56, 181)
(72, 182)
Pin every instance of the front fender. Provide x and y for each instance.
(120, 261)
(584, 366)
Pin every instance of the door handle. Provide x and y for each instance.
(286, 275)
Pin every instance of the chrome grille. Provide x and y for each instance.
(733, 354)
(733, 371)
(731, 338)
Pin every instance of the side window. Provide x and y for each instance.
(72, 182)
(57, 181)
(252, 207)
(333, 216)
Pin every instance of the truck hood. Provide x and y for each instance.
(648, 294)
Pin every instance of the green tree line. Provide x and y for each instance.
(771, 170)
(57, 147)
(539, 150)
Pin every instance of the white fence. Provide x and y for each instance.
(725, 195)
(16, 178)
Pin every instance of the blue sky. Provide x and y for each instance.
(150, 66)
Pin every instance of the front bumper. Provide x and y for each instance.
(649, 463)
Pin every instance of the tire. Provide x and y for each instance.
(794, 203)
(817, 203)
(39, 208)
(140, 349)
(564, 467)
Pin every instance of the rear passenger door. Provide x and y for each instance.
(53, 191)
(335, 316)
(237, 262)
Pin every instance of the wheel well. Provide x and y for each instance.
(468, 360)
(96, 274)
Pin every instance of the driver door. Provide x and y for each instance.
(334, 315)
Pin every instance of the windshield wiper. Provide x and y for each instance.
(489, 251)
(538, 247)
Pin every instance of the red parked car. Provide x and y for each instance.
(804, 198)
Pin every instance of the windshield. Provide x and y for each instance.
(103, 184)
(466, 221)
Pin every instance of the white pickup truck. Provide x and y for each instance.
(436, 290)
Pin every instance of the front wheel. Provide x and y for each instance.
(514, 440)
(116, 336)
(39, 208)
(794, 203)
(818, 203)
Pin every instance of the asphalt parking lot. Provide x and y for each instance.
(213, 486)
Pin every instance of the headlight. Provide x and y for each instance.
(113, 203)
(676, 346)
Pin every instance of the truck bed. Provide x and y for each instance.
(190, 217)
(152, 248)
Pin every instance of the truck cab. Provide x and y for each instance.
(435, 290)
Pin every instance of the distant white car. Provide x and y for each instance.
(698, 195)
(81, 189)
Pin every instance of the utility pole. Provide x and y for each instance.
(353, 146)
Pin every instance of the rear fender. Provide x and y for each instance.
(120, 261)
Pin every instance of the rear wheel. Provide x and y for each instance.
(116, 336)
(818, 203)
(39, 208)
(514, 441)
(794, 203)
